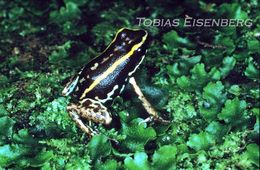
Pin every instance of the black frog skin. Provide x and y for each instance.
(105, 76)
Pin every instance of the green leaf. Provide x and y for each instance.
(217, 130)
(225, 41)
(228, 65)
(78, 2)
(252, 153)
(6, 126)
(183, 66)
(251, 71)
(256, 112)
(137, 135)
(23, 137)
(3, 111)
(78, 163)
(232, 11)
(184, 82)
(153, 94)
(165, 157)
(41, 158)
(99, 147)
(234, 111)
(253, 45)
(214, 97)
(235, 89)
(173, 40)
(3, 81)
(199, 78)
(213, 92)
(67, 18)
(199, 75)
(68, 13)
(201, 141)
(105, 29)
(10, 153)
(139, 162)
(61, 52)
(110, 164)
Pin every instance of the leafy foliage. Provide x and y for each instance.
(205, 80)
(234, 109)
(214, 97)
(139, 162)
(165, 157)
(137, 135)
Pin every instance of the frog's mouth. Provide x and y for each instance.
(65, 92)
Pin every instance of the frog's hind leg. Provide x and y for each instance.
(91, 110)
(95, 111)
(73, 112)
(148, 107)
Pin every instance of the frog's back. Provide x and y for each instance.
(105, 76)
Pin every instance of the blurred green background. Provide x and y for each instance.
(204, 79)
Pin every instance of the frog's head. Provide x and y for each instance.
(130, 37)
(70, 86)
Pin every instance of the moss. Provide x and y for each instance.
(205, 80)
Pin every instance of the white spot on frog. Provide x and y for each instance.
(123, 35)
(109, 95)
(70, 87)
(106, 58)
(82, 80)
(94, 67)
(132, 72)
(122, 89)
(116, 49)
(80, 71)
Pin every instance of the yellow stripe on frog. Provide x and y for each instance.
(113, 67)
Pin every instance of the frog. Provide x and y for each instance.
(105, 77)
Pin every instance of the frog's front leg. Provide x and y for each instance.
(148, 107)
(91, 110)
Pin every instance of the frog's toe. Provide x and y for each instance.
(161, 120)
(157, 119)
(149, 119)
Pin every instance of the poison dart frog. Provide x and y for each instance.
(102, 79)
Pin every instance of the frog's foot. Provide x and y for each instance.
(148, 107)
(152, 118)
(73, 112)
(149, 119)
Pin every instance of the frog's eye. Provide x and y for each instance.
(129, 38)
(70, 86)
